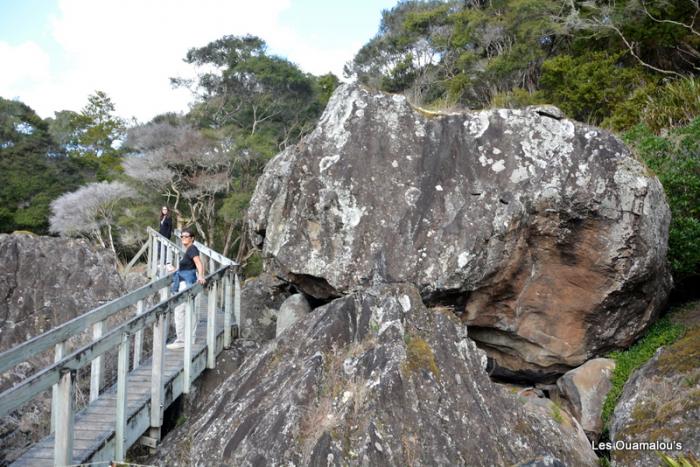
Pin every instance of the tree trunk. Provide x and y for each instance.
(229, 235)
(111, 240)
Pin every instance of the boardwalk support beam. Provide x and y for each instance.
(63, 447)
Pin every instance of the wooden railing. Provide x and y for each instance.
(222, 286)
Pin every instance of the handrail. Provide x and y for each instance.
(44, 341)
(162, 238)
(222, 290)
(25, 391)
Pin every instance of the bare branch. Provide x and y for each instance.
(630, 46)
(690, 27)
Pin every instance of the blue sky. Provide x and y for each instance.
(56, 52)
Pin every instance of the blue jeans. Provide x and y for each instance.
(187, 275)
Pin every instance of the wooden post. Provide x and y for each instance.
(63, 445)
(138, 337)
(228, 308)
(163, 252)
(160, 333)
(58, 355)
(122, 401)
(237, 305)
(154, 263)
(211, 325)
(187, 354)
(96, 368)
(149, 257)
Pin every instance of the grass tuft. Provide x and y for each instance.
(661, 333)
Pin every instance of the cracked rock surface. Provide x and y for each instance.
(373, 378)
(545, 234)
(44, 282)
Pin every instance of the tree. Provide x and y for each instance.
(186, 166)
(34, 171)
(458, 52)
(92, 136)
(90, 211)
(408, 53)
(660, 35)
(250, 92)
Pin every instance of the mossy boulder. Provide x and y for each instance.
(660, 405)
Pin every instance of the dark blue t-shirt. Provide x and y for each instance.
(187, 262)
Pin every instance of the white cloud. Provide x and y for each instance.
(23, 65)
(130, 49)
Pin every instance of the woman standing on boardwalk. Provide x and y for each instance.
(190, 270)
(166, 223)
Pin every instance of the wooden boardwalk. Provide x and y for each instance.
(94, 426)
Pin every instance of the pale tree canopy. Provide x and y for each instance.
(89, 211)
(186, 166)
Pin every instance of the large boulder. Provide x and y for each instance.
(659, 409)
(261, 298)
(293, 309)
(44, 282)
(585, 389)
(374, 378)
(546, 233)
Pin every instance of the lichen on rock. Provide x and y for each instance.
(547, 232)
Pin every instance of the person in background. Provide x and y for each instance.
(190, 270)
(166, 223)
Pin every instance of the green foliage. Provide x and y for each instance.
(93, 136)
(34, 169)
(670, 105)
(556, 413)
(662, 332)
(234, 206)
(326, 84)
(588, 87)
(253, 266)
(679, 461)
(596, 60)
(515, 99)
(252, 92)
(675, 159)
(673, 105)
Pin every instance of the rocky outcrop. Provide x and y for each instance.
(261, 298)
(585, 389)
(659, 409)
(546, 233)
(45, 281)
(373, 378)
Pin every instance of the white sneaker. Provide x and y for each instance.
(176, 345)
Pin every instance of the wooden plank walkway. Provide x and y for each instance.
(94, 426)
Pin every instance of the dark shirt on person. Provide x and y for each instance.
(166, 227)
(187, 261)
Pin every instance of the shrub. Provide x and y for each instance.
(515, 99)
(675, 158)
(588, 87)
(673, 105)
(670, 105)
